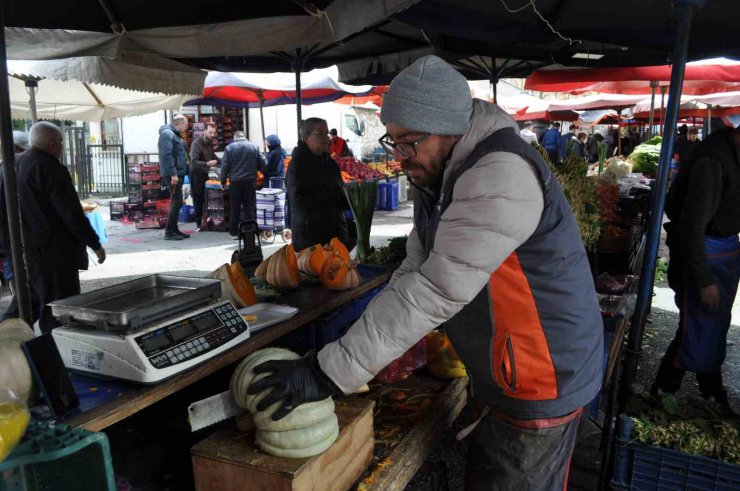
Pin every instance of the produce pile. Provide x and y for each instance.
(646, 156)
(393, 253)
(616, 168)
(697, 431)
(390, 169)
(357, 169)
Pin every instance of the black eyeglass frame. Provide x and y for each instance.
(390, 146)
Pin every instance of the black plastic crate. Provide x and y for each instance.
(117, 210)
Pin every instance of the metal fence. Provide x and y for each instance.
(96, 169)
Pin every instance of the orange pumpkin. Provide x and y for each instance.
(339, 274)
(281, 269)
(311, 259)
(242, 285)
(335, 247)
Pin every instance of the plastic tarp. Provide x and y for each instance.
(598, 101)
(717, 105)
(702, 77)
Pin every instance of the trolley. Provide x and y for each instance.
(272, 210)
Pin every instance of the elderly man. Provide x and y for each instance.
(315, 189)
(202, 159)
(496, 258)
(173, 166)
(55, 230)
(242, 159)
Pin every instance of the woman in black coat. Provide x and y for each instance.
(315, 189)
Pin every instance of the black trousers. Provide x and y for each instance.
(198, 192)
(242, 194)
(175, 205)
(669, 376)
(52, 277)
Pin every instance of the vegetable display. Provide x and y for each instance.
(340, 274)
(361, 197)
(646, 157)
(235, 285)
(281, 269)
(308, 430)
(357, 169)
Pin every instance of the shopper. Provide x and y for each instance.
(703, 206)
(688, 145)
(338, 145)
(56, 233)
(496, 257)
(202, 159)
(568, 141)
(552, 142)
(315, 189)
(275, 160)
(579, 145)
(242, 159)
(173, 167)
(527, 134)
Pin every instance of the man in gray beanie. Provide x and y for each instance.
(495, 258)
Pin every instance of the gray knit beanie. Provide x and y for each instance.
(429, 96)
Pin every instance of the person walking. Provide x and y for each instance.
(56, 232)
(241, 161)
(495, 256)
(173, 167)
(315, 189)
(202, 159)
(275, 160)
(552, 143)
(527, 134)
(703, 206)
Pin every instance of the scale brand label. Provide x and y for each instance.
(87, 359)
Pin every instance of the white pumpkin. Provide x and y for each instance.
(16, 374)
(307, 430)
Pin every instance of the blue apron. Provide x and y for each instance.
(704, 335)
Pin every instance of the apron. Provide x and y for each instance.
(704, 335)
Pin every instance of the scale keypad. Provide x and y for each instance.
(205, 331)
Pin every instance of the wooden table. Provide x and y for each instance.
(313, 301)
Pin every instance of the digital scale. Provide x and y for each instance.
(147, 330)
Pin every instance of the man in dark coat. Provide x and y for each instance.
(173, 166)
(55, 230)
(315, 189)
(703, 206)
(202, 158)
(242, 159)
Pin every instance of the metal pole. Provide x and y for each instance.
(647, 275)
(653, 86)
(297, 68)
(494, 84)
(262, 120)
(709, 120)
(32, 86)
(23, 292)
(662, 109)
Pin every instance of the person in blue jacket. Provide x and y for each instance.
(552, 142)
(173, 167)
(275, 159)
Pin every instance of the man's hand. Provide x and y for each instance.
(294, 382)
(710, 298)
(101, 255)
(211, 163)
(174, 180)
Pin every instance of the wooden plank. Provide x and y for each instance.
(410, 454)
(228, 460)
(110, 413)
(614, 348)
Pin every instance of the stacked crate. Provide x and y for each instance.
(145, 207)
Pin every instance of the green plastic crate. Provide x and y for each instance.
(57, 457)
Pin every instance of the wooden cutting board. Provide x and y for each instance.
(230, 460)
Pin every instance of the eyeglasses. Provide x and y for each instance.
(406, 149)
(320, 133)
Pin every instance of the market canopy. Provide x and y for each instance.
(704, 77)
(712, 105)
(260, 89)
(75, 100)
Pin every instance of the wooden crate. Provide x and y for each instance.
(230, 460)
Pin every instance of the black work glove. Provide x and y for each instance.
(294, 382)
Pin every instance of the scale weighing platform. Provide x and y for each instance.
(147, 330)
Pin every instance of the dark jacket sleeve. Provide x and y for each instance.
(225, 164)
(198, 157)
(699, 206)
(166, 160)
(66, 205)
(261, 163)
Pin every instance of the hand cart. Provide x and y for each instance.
(272, 209)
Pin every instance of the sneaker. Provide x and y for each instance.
(171, 236)
(197, 229)
(182, 234)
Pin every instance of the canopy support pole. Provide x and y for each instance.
(261, 96)
(15, 232)
(709, 120)
(662, 108)
(647, 275)
(653, 86)
(494, 85)
(32, 86)
(297, 68)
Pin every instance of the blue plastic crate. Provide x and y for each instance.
(644, 467)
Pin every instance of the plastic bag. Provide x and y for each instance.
(614, 285)
(401, 368)
(442, 360)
